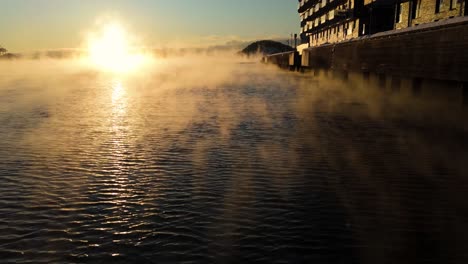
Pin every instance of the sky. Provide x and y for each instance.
(31, 25)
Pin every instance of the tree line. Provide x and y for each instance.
(3, 51)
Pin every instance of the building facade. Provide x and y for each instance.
(415, 12)
(325, 21)
(331, 21)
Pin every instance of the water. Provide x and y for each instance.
(240, 163)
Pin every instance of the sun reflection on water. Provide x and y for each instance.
(118, 119)
(119, 146)
(117, 92)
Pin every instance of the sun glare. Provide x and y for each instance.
(112, 49)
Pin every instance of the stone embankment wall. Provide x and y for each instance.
(290, 60)
(429, 52)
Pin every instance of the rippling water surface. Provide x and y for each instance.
(239, 163)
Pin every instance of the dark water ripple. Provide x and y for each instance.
(275, 168)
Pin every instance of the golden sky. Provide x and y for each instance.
(29, 25)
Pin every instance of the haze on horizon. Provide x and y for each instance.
(30, 25)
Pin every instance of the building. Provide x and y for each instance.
(331, 21)
(414, 40)
(324, 21)
(377, 16)
(414, 12)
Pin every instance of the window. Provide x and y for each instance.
(399, 13)
(416, 8)
(453, 4)
(439, 6)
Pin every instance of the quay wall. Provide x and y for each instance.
(283, 60)
(287, 60)
(436, 52)
(432, 53)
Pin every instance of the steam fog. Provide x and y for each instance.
(212, 156)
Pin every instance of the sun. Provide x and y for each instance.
(112, 49)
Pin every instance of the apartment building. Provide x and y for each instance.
(330, 21)
(415, 12)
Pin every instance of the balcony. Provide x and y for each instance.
(338, 18)
(306, 4)
(326, 9)
(343, 13)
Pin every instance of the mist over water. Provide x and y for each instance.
(218, 159)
